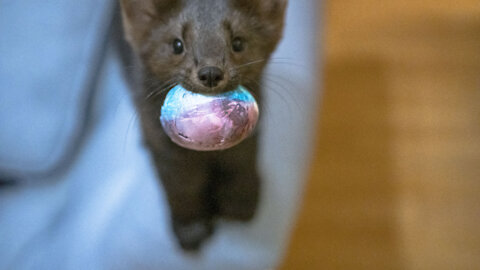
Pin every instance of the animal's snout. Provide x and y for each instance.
(210, 76)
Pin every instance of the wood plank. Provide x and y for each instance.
(395, 183)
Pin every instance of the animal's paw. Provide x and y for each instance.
(191, 235)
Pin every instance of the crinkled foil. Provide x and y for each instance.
(208, 123)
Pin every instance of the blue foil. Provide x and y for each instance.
(208, 122)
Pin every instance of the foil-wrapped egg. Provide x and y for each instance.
(208, 122)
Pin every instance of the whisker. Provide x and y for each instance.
(248, 64)
(273, 89)
(129, 67)
(158, 92)
(279, 77)
(271, 61)
(281, 90)
(285, 82)
(298, 65)
(289, 88)
(268, 87)
(264, 105)
(131, 123)
(160, 89)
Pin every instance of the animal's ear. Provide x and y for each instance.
(140, 15)
(264, 8)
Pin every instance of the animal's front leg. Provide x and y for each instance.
(184, 177)
(237, 183)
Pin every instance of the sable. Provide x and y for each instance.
(174, 43)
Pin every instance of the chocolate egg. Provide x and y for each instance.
(208, 122)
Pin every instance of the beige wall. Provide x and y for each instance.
(395, 183)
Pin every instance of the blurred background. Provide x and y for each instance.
(395, 181)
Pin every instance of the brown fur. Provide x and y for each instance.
(201, 186)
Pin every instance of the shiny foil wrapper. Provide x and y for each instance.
(208, 122)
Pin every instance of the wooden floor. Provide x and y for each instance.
(395, 183)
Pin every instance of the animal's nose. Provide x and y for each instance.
(210, 76)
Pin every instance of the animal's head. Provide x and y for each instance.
(206, 45)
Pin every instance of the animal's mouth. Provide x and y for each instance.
(200, 89)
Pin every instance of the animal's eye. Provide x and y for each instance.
(177, 46)
(238, 44)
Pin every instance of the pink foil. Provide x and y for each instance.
(208, 123)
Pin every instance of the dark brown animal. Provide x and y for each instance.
(207, 46)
